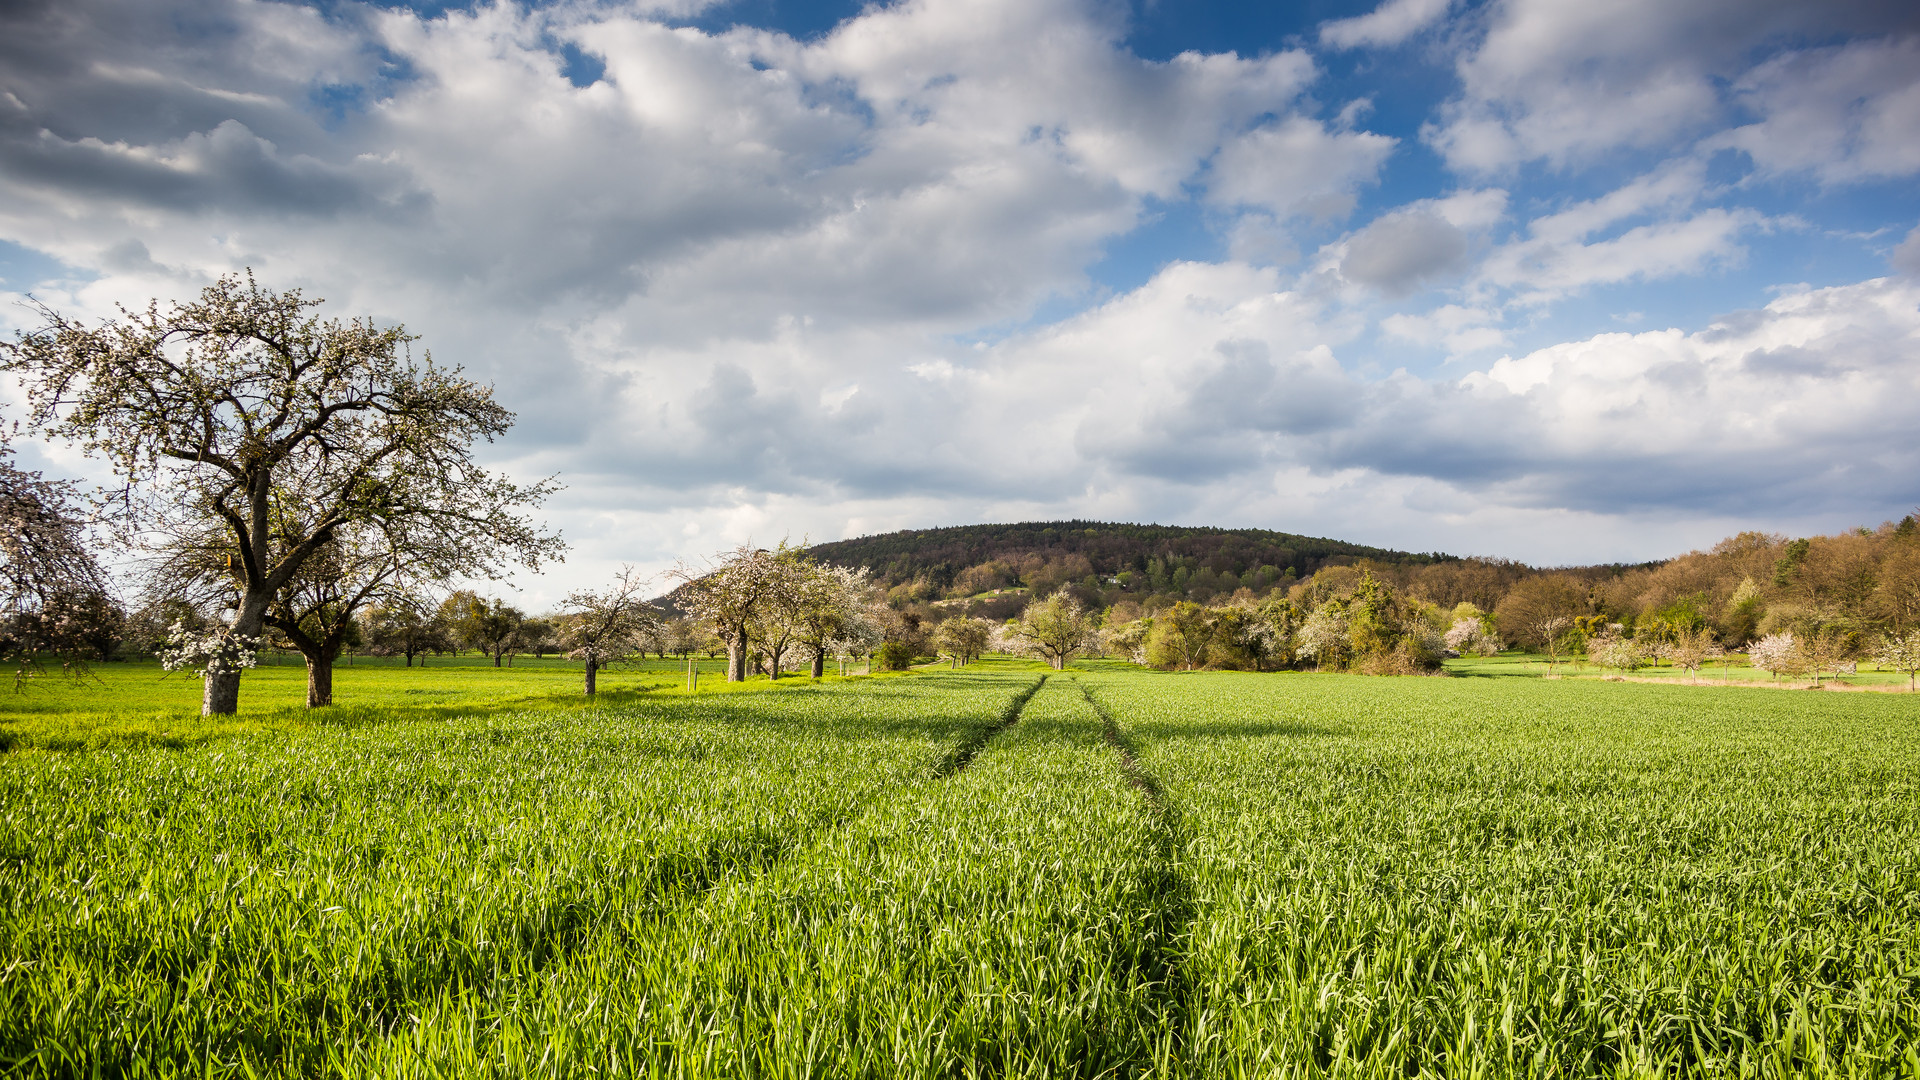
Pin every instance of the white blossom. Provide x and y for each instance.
(1614, 651)
(209, 652)
(1775, 653)
(1470, 636)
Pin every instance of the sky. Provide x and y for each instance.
(1557, 282)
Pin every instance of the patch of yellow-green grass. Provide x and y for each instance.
(138, 703)
(1733, 670)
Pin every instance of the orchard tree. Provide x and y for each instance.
(1901, 652)
(735, 591)
(540, 636)
(1617, 651)
(860, 636)
(1322, 637)
(608, 626)
(405, 624)
(489, 625)
(683, 637)
(1055, 628)
(1180, 637)
(43, 548)
(826, 602)
(961, 639)
(781, 619)
(1550, 632)
(1775, 654)
(47, 572)
(1128, 639)
(245, 415)
(1691, 646)
(1823, 648)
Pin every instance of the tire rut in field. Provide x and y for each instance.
(1167, 896)
(969, 748)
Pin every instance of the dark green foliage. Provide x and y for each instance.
(894, 656)
(1158, 552)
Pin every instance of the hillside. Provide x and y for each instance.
(940, 556)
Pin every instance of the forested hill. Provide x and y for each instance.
(940, 555)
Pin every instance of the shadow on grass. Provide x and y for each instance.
(1242, 729)
(752, 702)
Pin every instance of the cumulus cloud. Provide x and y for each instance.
(1906, 257)
(1565, 83)
(1843, 114)
(1402, 250)
(1800, 405)
(1385, 26)
(1297, 165)
(1415, 244)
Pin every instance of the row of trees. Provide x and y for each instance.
(1802, 607)
(1368, 627)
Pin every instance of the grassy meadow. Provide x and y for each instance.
(1000, 871)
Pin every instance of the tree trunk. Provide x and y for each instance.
(819, 665)
(496, 659)
(319, 681)
(410, 659)
(222, 694)
(592, 670)
(737, 659)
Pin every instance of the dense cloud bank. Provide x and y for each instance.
(740, 284)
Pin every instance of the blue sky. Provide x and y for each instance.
(1519, 277)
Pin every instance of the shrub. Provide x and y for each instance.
(894, 656)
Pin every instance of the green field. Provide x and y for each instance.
(1733, 671)
(996, 872)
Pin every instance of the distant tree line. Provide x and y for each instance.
(1823, 602)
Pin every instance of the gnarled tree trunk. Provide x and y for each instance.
(319, 681)
(221, 696)
(593, 669)
(737, 657)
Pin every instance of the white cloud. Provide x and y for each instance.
(1845, 113)
(1542, 270)
(1800, 406)
(1906, 256)
(1416, 244)
(1567, 83)
(1385, 26)
(1459, 329)
(1644, 230)
(1297, 165)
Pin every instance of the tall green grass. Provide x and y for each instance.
(135, 704)
(1114, 873)
(297, 904)
(1400, 876)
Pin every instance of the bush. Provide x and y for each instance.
(894, 656)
